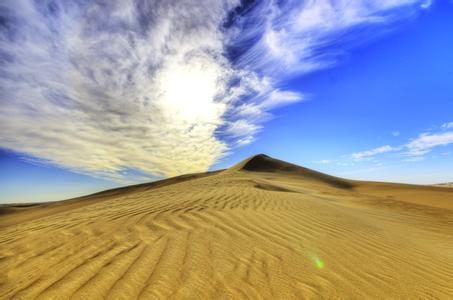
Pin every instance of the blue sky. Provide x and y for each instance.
(362, 91)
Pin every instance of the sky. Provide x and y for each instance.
(96, 94)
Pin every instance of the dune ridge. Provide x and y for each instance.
(262, 229)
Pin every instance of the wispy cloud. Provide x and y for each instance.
(396, 133)
(292, 37)
(425, 142)
(369, 153)
(426, 4)
(447, 125)
(99, 88)
(161, 87)
(323, 161)
(414, 150)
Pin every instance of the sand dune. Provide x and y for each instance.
(445, 184)
(261, 229)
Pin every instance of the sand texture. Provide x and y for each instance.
(261, 229)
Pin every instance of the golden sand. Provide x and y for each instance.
(261, 229)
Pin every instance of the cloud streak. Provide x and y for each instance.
(414, 150)
(425, 142)
(447, 125)
(295, 37)
(370, 153)
(161, 87)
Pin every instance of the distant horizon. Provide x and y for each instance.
(93, 98)
(164, 179)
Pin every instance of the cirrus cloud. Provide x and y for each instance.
(414, 150)
(161, 87)
(425, 142)
(369, 153)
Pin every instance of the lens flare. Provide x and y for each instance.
(318, 262)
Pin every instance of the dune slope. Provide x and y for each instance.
(261, 229)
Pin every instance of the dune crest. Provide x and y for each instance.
(263, 228)
(264, 163)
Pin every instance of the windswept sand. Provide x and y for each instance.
(261, 229)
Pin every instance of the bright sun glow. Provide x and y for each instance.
(189, 91)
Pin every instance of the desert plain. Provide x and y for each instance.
(262, 229)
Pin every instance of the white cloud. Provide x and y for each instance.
(426, 4)
(278, 98)
(147, 85)
(425, 142)
(396, 133)
(414, 158)
(369, 153)
(292, 36)
(323, 161)
(241, 128)
(447, 125)
(245, 140)
(98, 89)
(344, 164)
(413, 150)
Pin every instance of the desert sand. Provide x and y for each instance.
(262, 229)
